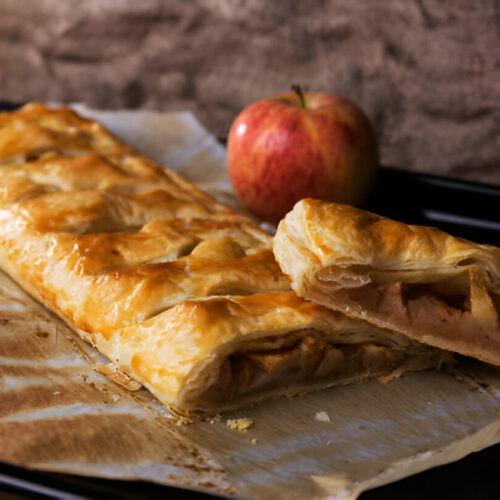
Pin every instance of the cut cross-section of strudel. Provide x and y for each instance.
(419, 281)
(179, 292)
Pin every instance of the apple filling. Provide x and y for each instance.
(459, 303)
(306, 359)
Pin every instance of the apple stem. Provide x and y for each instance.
(296, 88)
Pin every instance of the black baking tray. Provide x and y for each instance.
(465, 209)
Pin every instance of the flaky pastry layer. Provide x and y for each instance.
(419, 281)
(179, 292)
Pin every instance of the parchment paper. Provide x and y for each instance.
(58, 414)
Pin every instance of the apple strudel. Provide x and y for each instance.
(181, 294)
(418, 281)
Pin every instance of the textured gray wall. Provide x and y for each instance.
(427, 72)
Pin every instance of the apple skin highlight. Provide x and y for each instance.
(280, 152)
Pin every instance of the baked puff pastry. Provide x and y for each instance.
(182, 294)
(419, 281)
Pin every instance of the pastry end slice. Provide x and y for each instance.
(419, 281)
(222, 353)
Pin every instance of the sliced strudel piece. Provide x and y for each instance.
(419, 281)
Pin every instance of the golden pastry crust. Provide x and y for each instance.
(420, 281)
(179, 292)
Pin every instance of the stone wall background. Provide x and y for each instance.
(427, 72)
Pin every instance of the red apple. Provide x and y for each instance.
(296, 145)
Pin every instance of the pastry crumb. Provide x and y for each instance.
(253, 441)
(214, 419)
(322, 416)
(385, 378)
(241, 424)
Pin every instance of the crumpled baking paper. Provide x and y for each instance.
(57, 413)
